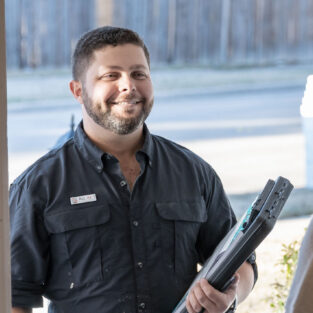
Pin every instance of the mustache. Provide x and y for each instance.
(127, 98)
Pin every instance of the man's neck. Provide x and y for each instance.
(121, 146)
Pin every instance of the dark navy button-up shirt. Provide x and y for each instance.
(83, 240)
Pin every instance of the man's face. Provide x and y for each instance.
(117, 90)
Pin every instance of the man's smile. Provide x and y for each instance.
(127, 101)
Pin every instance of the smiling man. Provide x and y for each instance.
(117, 219)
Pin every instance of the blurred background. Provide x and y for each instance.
(223, 33)
(229, 78)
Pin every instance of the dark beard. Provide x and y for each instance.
(120, 126)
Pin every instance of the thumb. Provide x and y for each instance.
(231, 290)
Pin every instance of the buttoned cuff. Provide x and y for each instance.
(252, 260)
(27, 295)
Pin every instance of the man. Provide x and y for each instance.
(117, 219)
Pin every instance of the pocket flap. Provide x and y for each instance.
(78, 218)
(190, 211)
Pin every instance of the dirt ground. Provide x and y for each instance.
(269, 254)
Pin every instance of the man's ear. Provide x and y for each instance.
(76, 89)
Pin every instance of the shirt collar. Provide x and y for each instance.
(89, 150)
(147, 147)
(95, 155)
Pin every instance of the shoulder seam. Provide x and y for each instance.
(50, 154)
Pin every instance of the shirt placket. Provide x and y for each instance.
(138, 246)
(139, 259)
(136, 233)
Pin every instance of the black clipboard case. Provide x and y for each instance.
(243, 238)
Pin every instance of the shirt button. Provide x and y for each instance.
(142, 305)
(135, 223)
(140, 264)
(99, 167)
(123, 183)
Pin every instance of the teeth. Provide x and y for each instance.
(125, 103)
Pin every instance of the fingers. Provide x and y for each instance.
(219, 301)
(197, 299)
(192, 303)
(203, 295)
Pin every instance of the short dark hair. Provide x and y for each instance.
(99, 38)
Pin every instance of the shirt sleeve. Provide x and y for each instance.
(221, 219)
(29, 248)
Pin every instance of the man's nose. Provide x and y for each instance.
(126, 83)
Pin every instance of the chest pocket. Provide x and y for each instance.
(79, 237)
(180, 223)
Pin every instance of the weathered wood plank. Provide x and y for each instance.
(171, 34)
(225, 51)
(13, 33)
(216, 32)
(162, 31)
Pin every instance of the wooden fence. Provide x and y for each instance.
(44, 32)
(211, 32)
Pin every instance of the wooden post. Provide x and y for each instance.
(225, 24)
(171, 31)
(104, 12)
(5, 282)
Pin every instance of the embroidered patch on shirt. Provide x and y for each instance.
(83, 199)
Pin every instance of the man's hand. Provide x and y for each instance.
(203, 295)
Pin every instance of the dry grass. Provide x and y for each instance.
(268, 254)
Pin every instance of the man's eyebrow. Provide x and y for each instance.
(138, 67)
(114, 67)
(133, 67)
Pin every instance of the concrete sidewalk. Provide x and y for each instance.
(245, 164)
